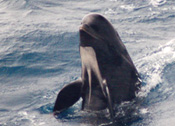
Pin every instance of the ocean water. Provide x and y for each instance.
(39, 54)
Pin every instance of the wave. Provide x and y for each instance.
(157, 3)
(37, 54)
(153, 65)
(28, 4)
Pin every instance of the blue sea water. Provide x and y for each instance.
(39, 54)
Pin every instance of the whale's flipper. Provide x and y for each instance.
(68, 96)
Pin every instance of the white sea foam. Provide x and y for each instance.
(157, 3)
(128, 7)
(154, 64)
(144, 111)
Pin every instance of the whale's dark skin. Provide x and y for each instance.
(108, 73)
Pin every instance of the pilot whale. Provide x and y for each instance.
(108, 74)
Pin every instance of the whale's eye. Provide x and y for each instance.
(95, 27)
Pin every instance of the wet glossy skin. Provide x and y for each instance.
(104, 57)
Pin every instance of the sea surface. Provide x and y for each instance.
(39, 54)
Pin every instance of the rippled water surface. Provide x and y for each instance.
(39, 54)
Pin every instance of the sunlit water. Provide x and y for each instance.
(39, 54)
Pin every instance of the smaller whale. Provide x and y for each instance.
(108, 74)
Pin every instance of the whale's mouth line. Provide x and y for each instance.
(86, 28)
